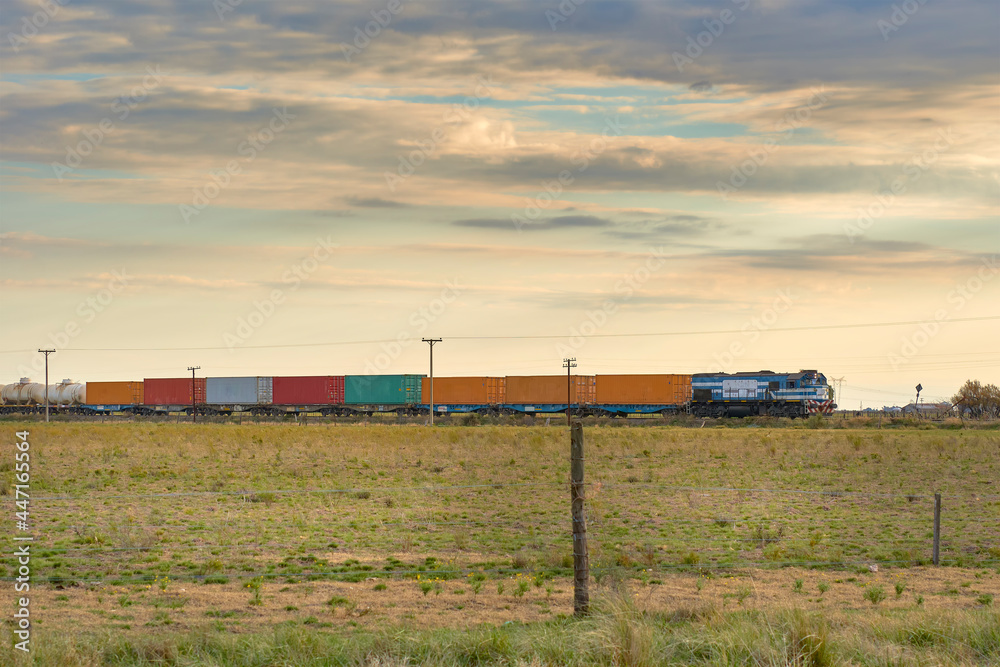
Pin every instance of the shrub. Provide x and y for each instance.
(874, 594)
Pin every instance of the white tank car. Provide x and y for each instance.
(20, 393)
(67, 392)
(27, 392)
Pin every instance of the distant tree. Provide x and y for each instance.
(979, 400)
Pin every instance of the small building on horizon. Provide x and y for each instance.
(927, 409)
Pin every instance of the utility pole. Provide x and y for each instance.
(581, 559)
(431, 341)
(838, 383)
(194, 400)
(569, 365)
(47, 353)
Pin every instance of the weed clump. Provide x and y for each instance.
(875, 594)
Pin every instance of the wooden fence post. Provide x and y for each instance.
(937, 528)
(581, 567)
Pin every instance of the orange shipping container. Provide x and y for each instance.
(114, 393)
(463, 391)
(643, 389)
(549, 389)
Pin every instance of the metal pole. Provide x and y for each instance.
(937, 528)
(569, 364)
(194, 401)
(46, 353)
(431, 341)
(581, 566)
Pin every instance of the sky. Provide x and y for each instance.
(307, 187)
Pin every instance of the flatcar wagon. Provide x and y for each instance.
(542, 394)
(622, 395)
(369, 394)
(166, 395)
(311, 393)
(111, 397)
(464, 394)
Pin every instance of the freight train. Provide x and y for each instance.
(702, 394)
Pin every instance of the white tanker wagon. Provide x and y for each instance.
(26, 392)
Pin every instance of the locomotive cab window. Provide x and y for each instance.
(791, 385)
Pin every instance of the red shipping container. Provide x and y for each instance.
(309, 390)
(172, 391)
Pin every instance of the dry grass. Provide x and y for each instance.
(328, 510)
(619, 633)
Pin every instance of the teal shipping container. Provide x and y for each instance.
(382, 389)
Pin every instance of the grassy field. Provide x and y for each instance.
(379, 543)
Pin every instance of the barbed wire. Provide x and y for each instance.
(360, 489)
(374, 574)
(498, 485)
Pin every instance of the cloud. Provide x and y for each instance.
(835, 255)
(561, 222)
(373, 202)
(340, 145)
(680, 225)
(672, 226)
(768, 46)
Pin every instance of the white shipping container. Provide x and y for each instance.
(255, 390)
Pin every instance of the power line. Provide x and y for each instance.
(531, 337)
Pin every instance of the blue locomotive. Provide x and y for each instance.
(760, 393)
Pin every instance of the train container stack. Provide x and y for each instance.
(702, 394)
(313, 390)
(642, 393)
(370, 392)
(172, 394)
(547, 393)
(110, 396)
(464, 394)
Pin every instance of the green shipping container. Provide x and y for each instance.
(382, 389)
